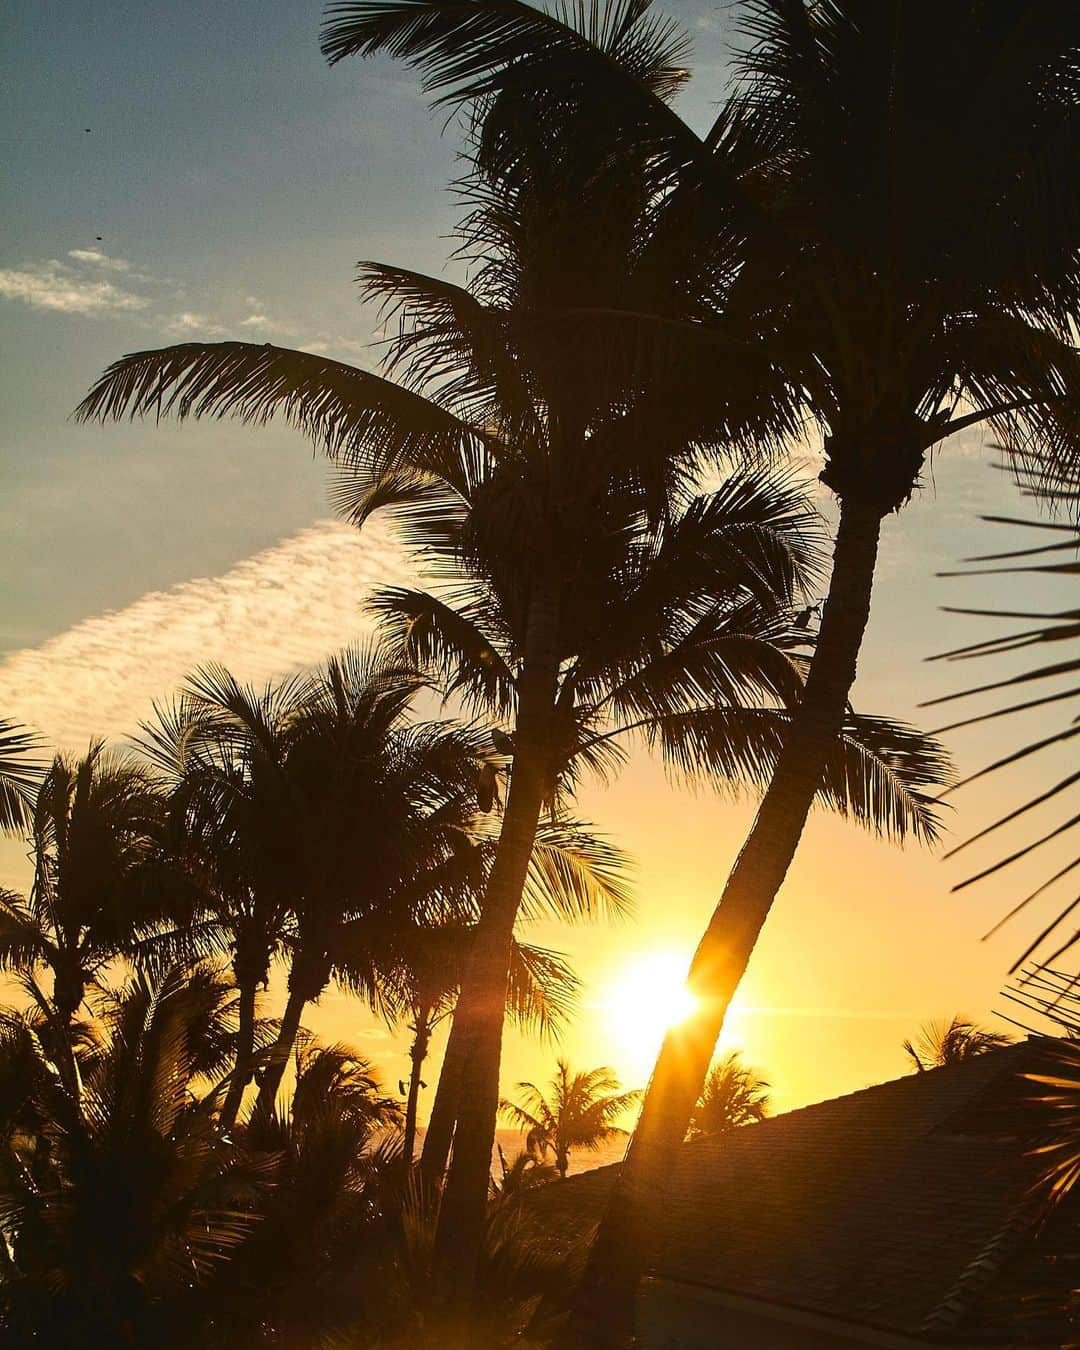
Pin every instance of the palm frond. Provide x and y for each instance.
(342, 409)
(1050, 630)
(21, 771)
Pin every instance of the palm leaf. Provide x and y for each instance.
(21, 771)
(340, 408)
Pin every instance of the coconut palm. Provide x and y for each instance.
(896, 327)
(941, 1043)
(541, 991)
(21, 771)
(676, 612)
(340, 813)
(645, 651)
(544, 471)
(120, 1202)
(578, 1112)
(311, 1267)
(734, 1095)
(99, 875)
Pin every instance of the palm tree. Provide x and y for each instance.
(21, 772)
(573, 875)
(941, 1043)
(315, 1260)
(341, 814)
(120, 1202)
(541, 992)
(215, 750)
(527, 458)
(734, 1095)
(579, 1113)
(96, 829)
(895, 327)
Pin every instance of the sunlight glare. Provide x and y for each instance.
(647, 997)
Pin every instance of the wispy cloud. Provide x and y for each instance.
(282, 609)
(57, 286)
(188, 323)
(93, 284)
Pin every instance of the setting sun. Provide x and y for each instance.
(648, 996)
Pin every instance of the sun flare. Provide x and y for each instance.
(648, 996)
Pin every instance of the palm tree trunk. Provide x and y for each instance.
(417, 1053)
(281, 1050)
(482, 1004)
(244, 1068)
(603, 1316)
(440, 1127)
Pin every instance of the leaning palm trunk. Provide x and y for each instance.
(603, 1316)
(439, 1133)
(244, 1068)
(281, 1050)
(482, 1004)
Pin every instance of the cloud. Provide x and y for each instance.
(91, 283)
(282, 609)
(55, 286)
(264, 323)
(188, 322)
(95, 258)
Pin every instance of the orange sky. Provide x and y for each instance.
(133, 553)
(865, 941)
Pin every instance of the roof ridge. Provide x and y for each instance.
(915, 1075)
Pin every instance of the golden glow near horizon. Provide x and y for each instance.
(646, 997)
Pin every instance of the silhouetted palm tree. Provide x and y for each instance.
(941, 1043)
(579, 1113)
(119, 1203)
(541, 992)
(336, 812)
(807, 197)
(96, 830)
(311, 1267)
(733, 1095)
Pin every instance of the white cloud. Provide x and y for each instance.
(187, 321)
(55, 286)
(282, 609)
(95, 258)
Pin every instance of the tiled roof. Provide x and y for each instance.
(889, 1207)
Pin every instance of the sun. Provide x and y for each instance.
(645, 998)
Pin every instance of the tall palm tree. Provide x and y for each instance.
(683, 639)
(895, 326)
(517, 445)
(942, 1043)
(96, 827)
(579, 1111)
(734, 1094)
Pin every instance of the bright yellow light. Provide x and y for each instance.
(646, 997)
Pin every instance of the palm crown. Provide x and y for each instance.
(580, 1112)
(97, 830)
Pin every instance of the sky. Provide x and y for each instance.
(194, 172)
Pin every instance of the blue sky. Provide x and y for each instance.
(227, 185)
